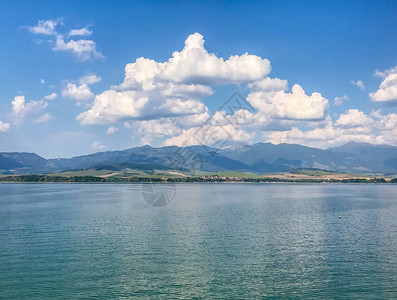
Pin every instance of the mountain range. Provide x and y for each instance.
(256, 158)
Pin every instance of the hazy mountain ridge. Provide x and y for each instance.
(257, 158)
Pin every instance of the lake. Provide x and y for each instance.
(227, 241)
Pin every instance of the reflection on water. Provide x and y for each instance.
(213, 240)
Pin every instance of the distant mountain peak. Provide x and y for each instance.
(236, 147)
(356, 145)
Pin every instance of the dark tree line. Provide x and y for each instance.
(94, 179)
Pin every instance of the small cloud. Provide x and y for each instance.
(46, 27)
(340, 100)
(4, 126)
(127, 125)
(44, 118)
(42, 81)
(81, 32)
(21, 108)
(89, 79)
(83, 50)
(97, 145)
(387, 91)
(81, 91)
(380, 74)
(111, 130)
(78, 92)
(358, 83)
(51, 96)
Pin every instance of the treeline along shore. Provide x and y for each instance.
(203, 179)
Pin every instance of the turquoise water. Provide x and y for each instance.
(212, 241)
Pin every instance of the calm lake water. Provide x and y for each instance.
(212, 241)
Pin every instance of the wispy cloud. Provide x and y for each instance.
(111, 130)
(358, 83)
(340, 100)
(46, 27)
(51, 96)
(97, 145)
(80, 32)
(4, 126)
(21, 108)
(44, 118)
(90, 79)
(81, 49)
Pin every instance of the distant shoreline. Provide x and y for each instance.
(213, 179)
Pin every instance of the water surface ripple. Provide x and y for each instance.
(225, 241)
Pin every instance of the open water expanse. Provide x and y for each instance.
(102, 241)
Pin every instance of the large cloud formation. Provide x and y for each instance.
(353, 125)
(153, 89)
(194, 65)
(164, 99)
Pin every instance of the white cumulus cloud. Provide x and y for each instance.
(147, 130)
(269, 85)
(21, 108)
(194, 65)
(164, 99)
(353, 125)
(210, 135)
(353, 118)
(387, 91)
(111, 130)
(4, 126)
(294, 106)
(174, 88)
(81, 91)
(78, 92)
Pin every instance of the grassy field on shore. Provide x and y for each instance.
(104, 176)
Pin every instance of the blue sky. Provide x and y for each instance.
(320, 46)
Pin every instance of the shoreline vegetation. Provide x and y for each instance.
(184, 179)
